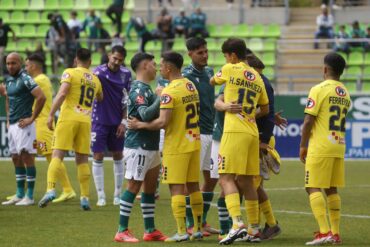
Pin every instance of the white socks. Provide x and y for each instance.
(98, 174)
(118, 170)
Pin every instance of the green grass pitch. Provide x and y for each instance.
(66, 225)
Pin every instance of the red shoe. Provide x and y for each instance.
(125, 236)
(154, 236)
(320, 238)
(335, 239)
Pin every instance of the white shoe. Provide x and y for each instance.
(12, 201)
(116, 201)
(26, 201)
(234, 234)
(101, 202)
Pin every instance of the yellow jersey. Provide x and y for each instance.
(245, 86)
(182, 132)
(329, 102)
(84, 86)
(44, 83)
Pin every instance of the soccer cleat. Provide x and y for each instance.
(15, 199)
(335, 239)
(26, 201)
(196, 236)
(209, 229)
(116, 200)
(272, 162)
(269, 232)
(65, 197)
(320, 238)
(48, 197)
(253, 238)
(264, 170)
(234, 234)
(178, 238)
(125, 236)
(154, 236)
(101, 202)
(221, 236)
(85, 205)
(189, 231)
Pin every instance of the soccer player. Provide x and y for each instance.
(179, 116)
(141, 152)
(22, 91)
(108, 121)
(44, 136)
(239, 148)
(199, 74)
(79, 87)
(323, 146)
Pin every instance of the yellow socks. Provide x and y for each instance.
(62, 176)
(252, 211)
(334, 206)
(233, 206)
(318, 206)
(83, 172)
(53, 173)
(267, 212)
(178, 205)
(196, 203)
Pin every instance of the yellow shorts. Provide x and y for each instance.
(181, 168)
(44, 136)
(239, 154)
(324, 172)
(72, 135)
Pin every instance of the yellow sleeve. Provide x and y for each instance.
(313, 102)
(167, 99)
(264, 99)
(66, 76)
(223, 75)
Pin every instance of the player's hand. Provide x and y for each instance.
(280, 121)
(303, 154)
(120, 131)
(23, 123)
(158, 90)
(2, 90)
(133, 123)
(50, 123)
(233, 107)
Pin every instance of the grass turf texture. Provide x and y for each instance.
(64, 224)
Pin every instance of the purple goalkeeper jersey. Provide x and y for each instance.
(109, 111)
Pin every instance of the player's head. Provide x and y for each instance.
(234, 50)
(334, 65)
(116, 57)
(144, 65)
(14, 63)
(255, 63)
(171, 63)
(83, 57)
(91, 12)
(34, 64)
(197, 51)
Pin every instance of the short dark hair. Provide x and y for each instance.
(36, 58)
(336, 63)
(50, 16)
(120, 49)
(74, 12)
(255, 62)
(1, 20)
(235, 45)
(195, 43)
(83, 54)
(174, 58)
(138, 58)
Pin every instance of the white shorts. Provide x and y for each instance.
(161, 140)
(214, 159)
(22, 139)
(205, 152)
(139, 161)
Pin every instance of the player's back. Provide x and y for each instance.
(182, 132)
(84, 86)
(44, 83)
(329, 101)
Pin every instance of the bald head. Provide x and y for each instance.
(13, 63)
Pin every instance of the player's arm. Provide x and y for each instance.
(308, 122)
(262, 110)
(212, 81)
(280, 121)
(2, 90)
(62, 94)
(158, 123)
(148, 113)
(231, 107)
(40, 101)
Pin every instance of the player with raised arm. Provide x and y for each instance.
(108, 122)
(79, 87)
(322, 148)
(179, 116)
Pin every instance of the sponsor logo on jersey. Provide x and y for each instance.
(88, 76)
(310, 103)
(66, 75)
(340, 91)
(249, 75)
(190, 86)
(165, 99)
(140, 100)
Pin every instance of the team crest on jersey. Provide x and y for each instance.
(219, 74)
(190, 87)
(66, 75)
(310, 103)
(340, 91)
(140, 100)
(249, 75)
(165, 99)
(88, 76)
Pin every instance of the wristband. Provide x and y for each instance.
(124, 122)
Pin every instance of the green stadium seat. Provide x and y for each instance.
(269, 59)
(242, 31)
(273, 31)
(126, 16)
(67, 4)
(212, 30)
(44, 16)
(52, 4)
(344, 55)
(366, 87)
(269, 45)
(24, 45)
(157, 57)
(225, 31)
(6, 4)
(150, 26)
(21, 4)
(132, 46)
(257, 31)
(366, 74)
(355, 58)
(33, 17)
(153, 46)
(37, 4)
(353, 73)
(16, 29)
(130, 5)
(28, 31)
(212, 45)
(41, 30)
(269, 72)
(11, 46)
(95, 58)
(5, 15)
(66, 14)
(367, 58)
(17, 17)
(219, 59)
(179, 45)
(82, 4)
(255, 44)
(351, 87)
(99, 4)
(187, 59)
